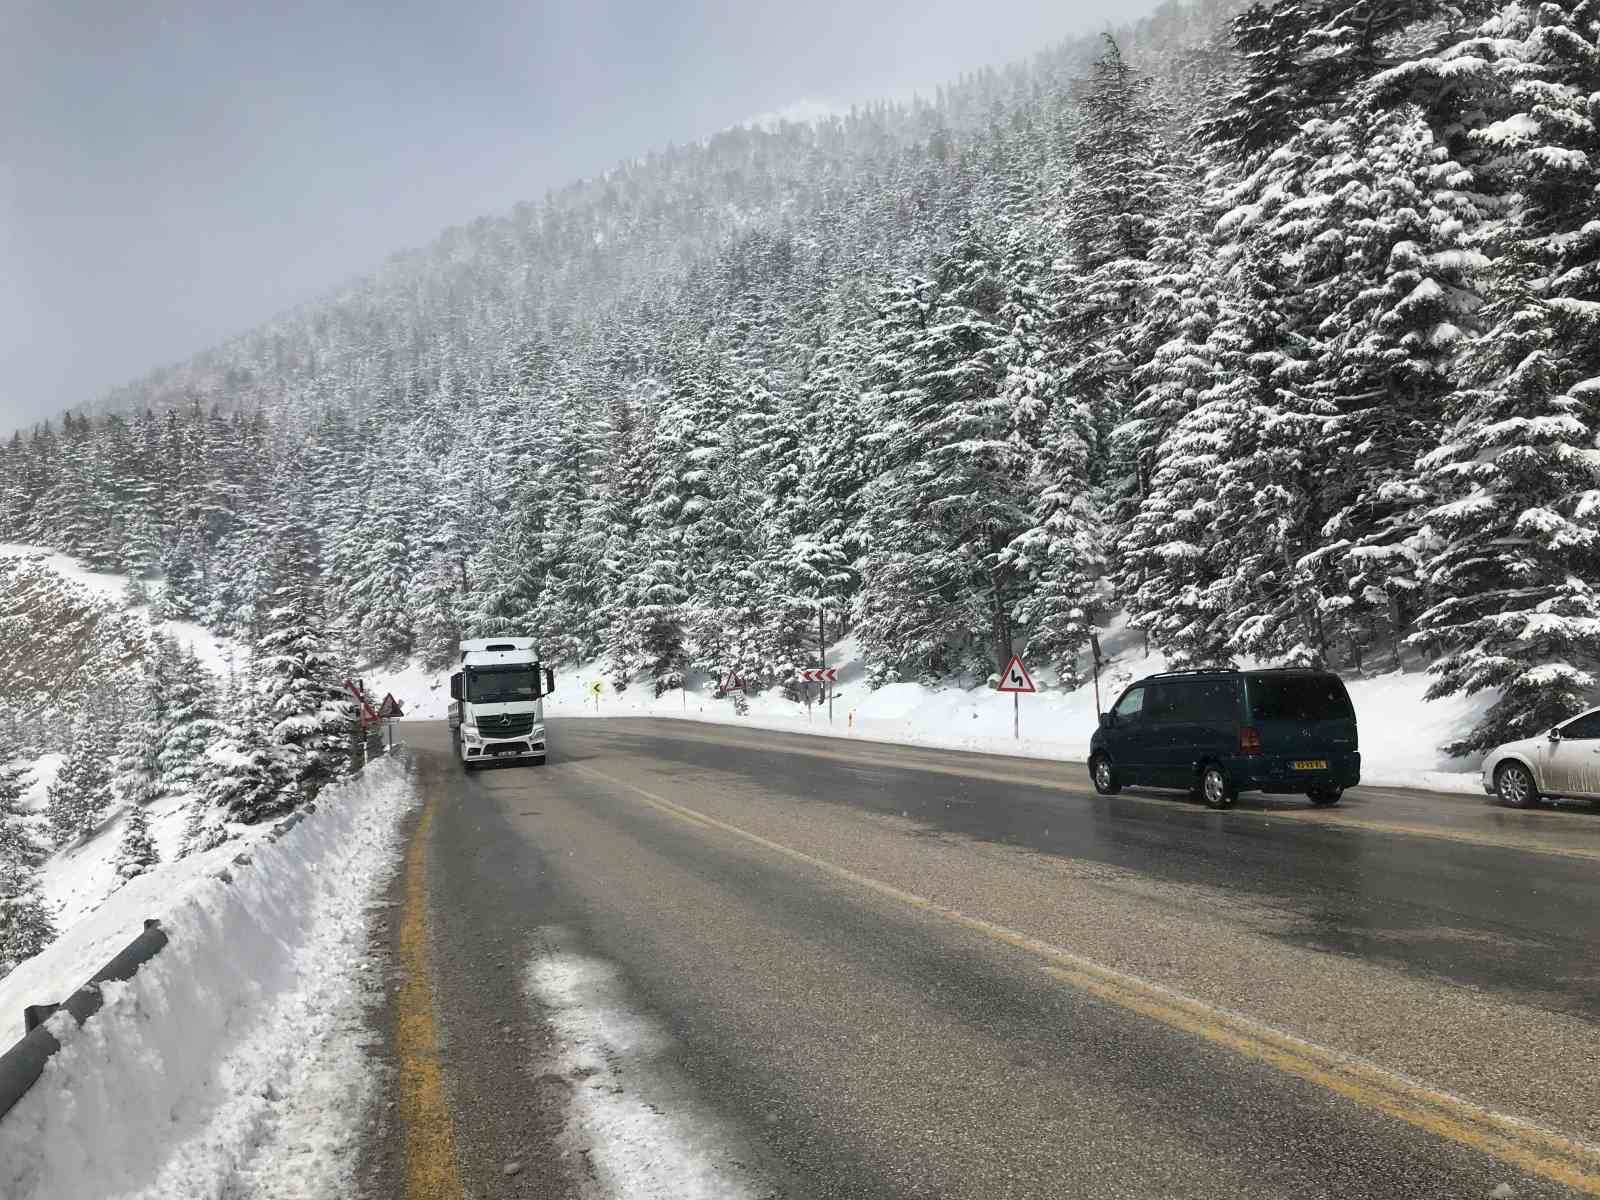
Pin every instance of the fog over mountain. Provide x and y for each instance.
(176, 173)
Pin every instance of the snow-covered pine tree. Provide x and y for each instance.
(19, 840)
(190, 726)
(25, 923)
(138, 778)
(1121, 185)
(249, 777)
(1406, 304)
(1511, 538)
(374, 564)
(1174, 545)
(305, 716)
(81, 792)
(1061, 555)
(937, 586)
(824, 520)
(136, 853)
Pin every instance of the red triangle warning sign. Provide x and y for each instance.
(1015, 678)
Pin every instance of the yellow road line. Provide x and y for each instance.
(1519, 1143)
(430, 1144)
(1307, 817)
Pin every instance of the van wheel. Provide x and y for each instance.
(1215, 789)
(1104, 776)
(1513, 783)
(1323, 797)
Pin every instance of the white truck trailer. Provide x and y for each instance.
(497, 702)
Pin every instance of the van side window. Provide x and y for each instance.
(1319, 697)
(1164, 702)
(1131, 703)
(1206, 700)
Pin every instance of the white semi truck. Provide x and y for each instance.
(497, 702)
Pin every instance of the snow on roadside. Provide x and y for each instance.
(633, 1116)
(234, 1061)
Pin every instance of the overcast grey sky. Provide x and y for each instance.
(175, 171)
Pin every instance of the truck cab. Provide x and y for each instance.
(497, 702)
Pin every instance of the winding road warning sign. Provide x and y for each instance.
(1015, 677)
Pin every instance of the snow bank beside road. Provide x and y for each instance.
(233, 1062)
(1400, 731)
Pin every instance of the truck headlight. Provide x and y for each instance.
(536, 733)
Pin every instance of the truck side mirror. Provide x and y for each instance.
(455, 686)
(549, 681)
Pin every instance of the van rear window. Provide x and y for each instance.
(1299, 698)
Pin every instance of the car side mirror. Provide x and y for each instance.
(1555, 735)
(455, 687)
(1107, 720)
(549, 681)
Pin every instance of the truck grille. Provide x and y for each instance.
(505, 725)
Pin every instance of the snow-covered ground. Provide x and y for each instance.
(632, 1116)
(215, 652)
(1400, 731)
(235, 1061)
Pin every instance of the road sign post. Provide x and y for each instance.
(595, 688)
(1016, 680)
(1094, 646)
(825, 675)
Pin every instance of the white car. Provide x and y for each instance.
(1563, 762)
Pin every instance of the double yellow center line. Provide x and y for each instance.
(431, 1172)
(1515, 1142)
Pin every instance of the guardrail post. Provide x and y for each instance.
(22, 1065)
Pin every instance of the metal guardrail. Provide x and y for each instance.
(22, 1065)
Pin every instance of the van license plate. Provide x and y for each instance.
(1311, 764)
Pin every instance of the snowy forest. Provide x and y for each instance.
(1277, 330)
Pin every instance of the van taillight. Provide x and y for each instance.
(1249, 740)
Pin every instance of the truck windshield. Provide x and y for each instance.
(502, 685)
(1298, 698)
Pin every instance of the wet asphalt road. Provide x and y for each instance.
(855, 1044)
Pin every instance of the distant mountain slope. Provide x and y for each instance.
(1277, 334)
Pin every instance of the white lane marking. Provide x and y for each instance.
(645, 1133)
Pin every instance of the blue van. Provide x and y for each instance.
(1219, 733)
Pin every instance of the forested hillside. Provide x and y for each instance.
(1279, 331)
